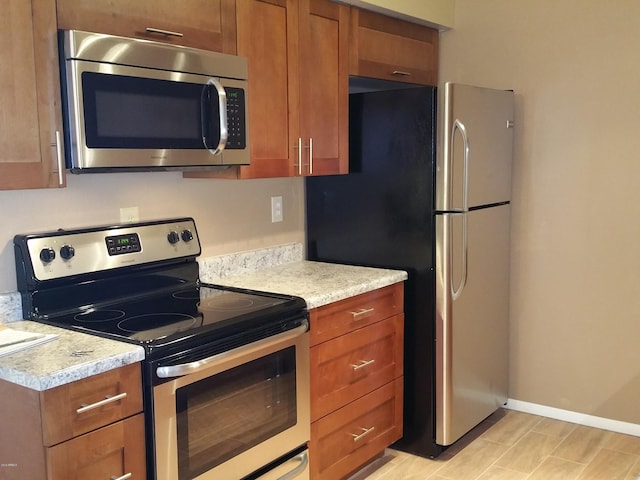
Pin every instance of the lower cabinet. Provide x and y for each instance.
(356, 381)
(112, 452)
(88, 429)
(348, 438)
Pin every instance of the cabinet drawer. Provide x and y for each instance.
(109, 452)
(79, 407)
(338, 318)
(392, 49)
(348, 438)
(352, 365)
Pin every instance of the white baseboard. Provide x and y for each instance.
(574, 417)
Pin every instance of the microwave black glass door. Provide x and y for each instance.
(145, 113)
(224, 415)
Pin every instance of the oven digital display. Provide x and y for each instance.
(120, 244)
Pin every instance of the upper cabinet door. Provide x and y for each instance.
(206, 24)
(391, 49)
(30, 113)
(267, 37)
(324, 87)
(298, 88)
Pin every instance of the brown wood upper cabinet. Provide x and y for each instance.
(30, 114)
(392, 49)
(298, 87)
(206, 24)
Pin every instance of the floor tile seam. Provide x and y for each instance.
(626, 474)
(583, 465)
(634, 458)
(559, 437)
(497, 459)
(637, 455)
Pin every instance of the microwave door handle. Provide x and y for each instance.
(222, 108)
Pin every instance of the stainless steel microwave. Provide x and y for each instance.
(131, 104)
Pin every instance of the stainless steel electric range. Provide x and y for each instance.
(226, 373)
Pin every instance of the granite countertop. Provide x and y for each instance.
(52, 364)
(278, 270)
(317, 283)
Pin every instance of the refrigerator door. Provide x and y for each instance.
(476, 139)
(472, 318)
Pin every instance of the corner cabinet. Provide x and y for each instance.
(298, 88)
(392, 49)
(206, 24)
(356, 381)
(90, 428)
(31, 153)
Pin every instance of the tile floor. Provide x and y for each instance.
(512, 445)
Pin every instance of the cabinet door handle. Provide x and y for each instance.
(168, 33)
(299, 147)
(365, 432)
(362, 311)
(400, 73)
(310, 156)
(363, 363)
(123, 477)
(107, 400)
(60, 155)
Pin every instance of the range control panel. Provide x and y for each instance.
(63, 253)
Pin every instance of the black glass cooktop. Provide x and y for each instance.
(185, 317)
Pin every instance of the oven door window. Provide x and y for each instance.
(224, 415)
(145, 113)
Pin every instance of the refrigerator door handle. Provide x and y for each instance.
(456, 291)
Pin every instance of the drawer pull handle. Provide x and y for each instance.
(123, 477)
(160, 31)
(362, 311)
(363, 363)
(400, 73)
(365, 432)
(84, 408)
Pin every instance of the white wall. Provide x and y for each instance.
(231, 215)
(576, 206)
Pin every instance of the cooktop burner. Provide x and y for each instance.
(160, 318)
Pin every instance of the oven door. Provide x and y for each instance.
(128, 117)
(229, 415)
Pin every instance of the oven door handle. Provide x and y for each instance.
(302, 459)
(183, 369)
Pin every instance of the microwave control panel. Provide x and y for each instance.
(236, 121)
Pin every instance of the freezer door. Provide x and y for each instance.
(475, 147)
(472, 318)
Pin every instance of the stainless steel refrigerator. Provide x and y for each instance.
(443, 215)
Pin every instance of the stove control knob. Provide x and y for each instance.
(186, 235)
(173, 237)
(47, 255)
(67, 252)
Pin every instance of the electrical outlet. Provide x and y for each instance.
(129, 214)
(276, 209)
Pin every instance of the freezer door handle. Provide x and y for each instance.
(459, 126)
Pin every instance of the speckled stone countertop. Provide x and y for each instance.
(52, 364)
(318, 283)
(279, 269)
